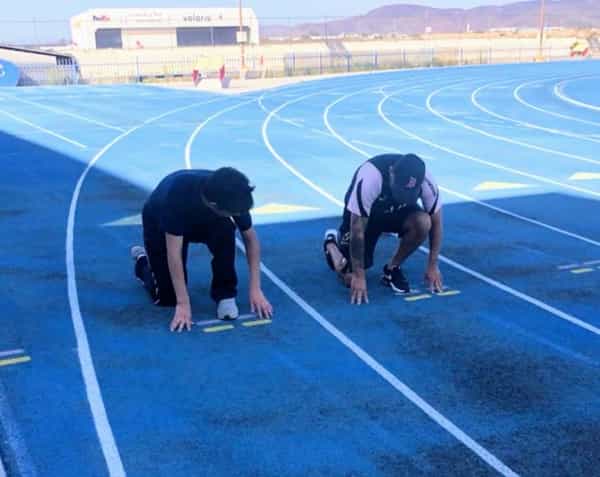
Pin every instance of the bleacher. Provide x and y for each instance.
(39, 66)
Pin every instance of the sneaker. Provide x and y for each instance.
(331, 236)
(227, 309)
(395, 279)
(139, 257)
(137, 252)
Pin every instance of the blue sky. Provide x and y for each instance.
(60, 11)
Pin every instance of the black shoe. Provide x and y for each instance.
(331, 236)
(139, 257)
(395, 279)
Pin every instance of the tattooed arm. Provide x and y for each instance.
(358, 226)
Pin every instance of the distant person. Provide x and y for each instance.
(382, 198)
(196, 76)
(199, 206)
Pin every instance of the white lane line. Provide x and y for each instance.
(481, 161)
(523, 218)
(534, 301)
(44, 130)
(12, 352)
(273, 114)
(68, 113)
(324, 93)
(406, 391)
(396, 383)
(569, 267)
(519, 98)
(592, 262)
(559, 132)
(556, 312)
(2, 471)
(437, 146)
(94, 395)
(558, 92)
(266, 110)
(287, 165)
(188, 146)
(481, 132)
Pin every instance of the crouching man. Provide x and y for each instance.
(383, 198)
(199, 206)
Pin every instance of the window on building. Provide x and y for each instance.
(190, 36)
(227, 35)
(109, 38)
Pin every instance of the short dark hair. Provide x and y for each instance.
(230, 190)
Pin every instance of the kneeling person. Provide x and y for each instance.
(198, 206)
(382, 198)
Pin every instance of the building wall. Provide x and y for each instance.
(161, 28)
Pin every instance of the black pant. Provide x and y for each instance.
(379, 223)
(155, 274)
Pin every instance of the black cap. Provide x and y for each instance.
(409, 173)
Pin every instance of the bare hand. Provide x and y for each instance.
(182, 319)
(433, 278)
(358, 290)
(260, 305)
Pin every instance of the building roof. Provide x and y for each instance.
(36, 51)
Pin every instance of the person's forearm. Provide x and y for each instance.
(357, 244)
(435, 238)
(176, 270)
(252, 246)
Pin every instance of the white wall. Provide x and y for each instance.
(84, 25)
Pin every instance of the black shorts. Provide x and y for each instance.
(392, 222)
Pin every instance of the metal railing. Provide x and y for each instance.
(291, 64)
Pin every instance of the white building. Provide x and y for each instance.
(162, 28)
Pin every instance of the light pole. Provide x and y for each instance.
(542, 24)
(241, 40)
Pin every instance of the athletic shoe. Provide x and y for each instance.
(395, 279)
(227, 309)
(331, 236)
(137, 251)
(139, 257)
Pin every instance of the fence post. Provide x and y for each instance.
(489, 55)
(320, 62)
(432, 53)
(348, 56)
(137, 69)
(375, 61)
(404, 57)
(293, 63)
